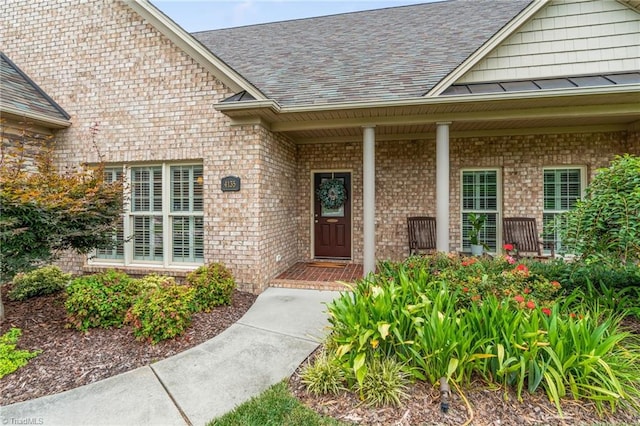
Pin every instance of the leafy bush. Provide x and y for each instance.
(423, 317)
(48, 212)
(384, 383)
(100, 300)
(11, 358)
(40, 282)
(162, 313)
(213, 286)
(324, 375)
(606, 223)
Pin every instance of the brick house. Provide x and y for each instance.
(505, 108)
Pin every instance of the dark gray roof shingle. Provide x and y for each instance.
(19, 92)
(382, 54)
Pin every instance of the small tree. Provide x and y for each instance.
(607, 222)
(45, 212)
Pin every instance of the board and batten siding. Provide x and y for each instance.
(566, 38)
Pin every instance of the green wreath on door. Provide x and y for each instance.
(332, 194)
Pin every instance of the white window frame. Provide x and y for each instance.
(167, 219)
(583, 184)
(497, 211)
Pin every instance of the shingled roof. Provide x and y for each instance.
(19, 94)
(383, 54)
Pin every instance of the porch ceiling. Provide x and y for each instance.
(584, 110)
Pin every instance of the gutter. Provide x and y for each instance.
(40, 119)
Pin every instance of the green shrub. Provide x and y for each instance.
(40, 282)
(162, 313)
(385, 383)
(213, 284)
(100, 300)
(606, 223)
(11, 358)
(324, 375)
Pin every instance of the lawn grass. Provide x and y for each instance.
(274, 407)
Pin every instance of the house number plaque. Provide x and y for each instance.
(230, 183)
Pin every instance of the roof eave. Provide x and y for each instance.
(248, 105)
(227, 75)
(487, 47)
(486, 97)
(15, 114)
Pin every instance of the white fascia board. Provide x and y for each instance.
(486, 48)
(227, 75)
(40, 119)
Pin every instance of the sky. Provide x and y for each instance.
(201, 15)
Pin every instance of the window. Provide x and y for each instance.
(480, 194)
(165, 221)
(563, 187)
(117, 252)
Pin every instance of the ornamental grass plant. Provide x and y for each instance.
(467, 318)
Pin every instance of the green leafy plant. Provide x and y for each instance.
(162, 313)
(385, 383)
(477, 222)
(606, 223)
(213, 285)
(513, 331)
(100, 300)
(40, 282)
(324, 375)
(50, 211)
(11, 358)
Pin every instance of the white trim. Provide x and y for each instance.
(499, 207)
(166, 213)
(40, 119)
(193, 48)
(583, 186)
(312, 208)
(487, 47)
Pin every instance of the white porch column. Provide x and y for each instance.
(442, 187)
(369, 198)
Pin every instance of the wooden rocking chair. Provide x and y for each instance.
(422, 234)
(522, 233)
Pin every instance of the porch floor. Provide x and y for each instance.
(318, 275)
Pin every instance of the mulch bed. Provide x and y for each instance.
(71, 358)
(489, 406)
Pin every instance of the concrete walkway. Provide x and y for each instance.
(265, 346)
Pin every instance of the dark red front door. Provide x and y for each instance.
(332, 226)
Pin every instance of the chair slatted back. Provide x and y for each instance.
(422, 234)
(522, 232)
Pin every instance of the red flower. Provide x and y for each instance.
(555, 284)
(522, 268)
(508, 247)
(527, 290)
(572, 315)
(519, 299)
(531, 304)
(466, 290)
(510, 260)
(546, 311)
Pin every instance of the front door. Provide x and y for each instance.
(332, 219)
